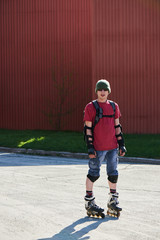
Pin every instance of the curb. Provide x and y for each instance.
(135, 160)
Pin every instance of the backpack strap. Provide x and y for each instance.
(114, 109)
(99, 111)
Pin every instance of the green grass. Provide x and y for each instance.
(138, 145)
(143, 145)
(46, 140)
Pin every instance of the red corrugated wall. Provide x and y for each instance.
(45, 63)
(54, 51)
(126, 51)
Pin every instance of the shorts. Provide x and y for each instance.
(111, 158)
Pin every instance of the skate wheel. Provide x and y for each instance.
(112, 213)
(118, 214)
(88, 214)
(109, 213)
(102, 215)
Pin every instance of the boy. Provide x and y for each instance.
(103, 136)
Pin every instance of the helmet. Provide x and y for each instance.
(103, 84)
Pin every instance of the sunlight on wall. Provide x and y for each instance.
(21, 144)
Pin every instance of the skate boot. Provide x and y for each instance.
(113, 205)
(92, 209)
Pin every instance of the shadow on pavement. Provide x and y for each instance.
(13, 159)
(69, 232)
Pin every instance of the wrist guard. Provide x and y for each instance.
(122, 145)
(91, 151)
(121, 140)
(89, 140)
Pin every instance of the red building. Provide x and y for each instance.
(52, 52)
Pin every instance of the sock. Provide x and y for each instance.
(112, 190)
(89, 193)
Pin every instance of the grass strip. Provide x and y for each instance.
(138, 145)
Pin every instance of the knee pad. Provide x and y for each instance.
(92, 178)
(113, 178)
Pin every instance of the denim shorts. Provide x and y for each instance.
(111, 158)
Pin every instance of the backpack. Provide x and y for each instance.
(99, 111)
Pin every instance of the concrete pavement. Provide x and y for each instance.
(41, 198)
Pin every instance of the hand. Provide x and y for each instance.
(121, 153)
(92, 155)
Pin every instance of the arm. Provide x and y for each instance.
(89, 139)
(120, 139)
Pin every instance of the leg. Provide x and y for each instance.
(93, 175)
(90, 205)
(112, 186)
(112, 162)
(112, 168)
(89, 185)
(94, 170)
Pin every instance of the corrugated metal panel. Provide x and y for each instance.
(126, 43)
(45, 63)
(53, 52)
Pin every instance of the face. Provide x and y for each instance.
(102, 95)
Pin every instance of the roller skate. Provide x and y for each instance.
(92, 209)
(113, 208)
